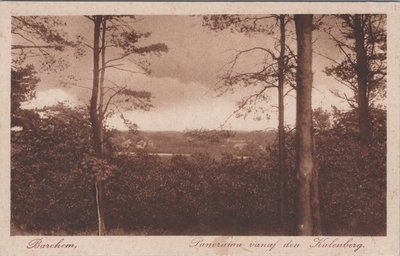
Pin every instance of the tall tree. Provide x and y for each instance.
(304, 137)
(95, 122)
(281, 126)
(362, 77)
(117, 33)
(362, 40)
(277, 71)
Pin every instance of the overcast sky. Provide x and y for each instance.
(182, 81)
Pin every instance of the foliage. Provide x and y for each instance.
(243, 24)
(344, 70)
(40, 37)
(54, 167)
(53, 170)
(183, 194)
(115, 35)
(256, 67)
(353, 179)
(23, 84)
(321, 120)
(40, 28)
(124, 45)
(211, 136)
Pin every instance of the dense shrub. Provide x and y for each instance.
(353, 178)
(53, 171)
(49, 189)
(180, 192)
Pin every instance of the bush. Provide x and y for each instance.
(48, 185)
(53, 170)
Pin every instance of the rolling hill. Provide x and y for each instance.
(242, 143)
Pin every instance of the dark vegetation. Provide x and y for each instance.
(71, 174)
(182, 195)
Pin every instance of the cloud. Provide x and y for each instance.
(182, 79)
(180, 105)
(49, 98)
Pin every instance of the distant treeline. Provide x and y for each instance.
(240, 143)
(52, 188)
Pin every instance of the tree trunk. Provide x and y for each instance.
(315, 196)
(304, 148)
(100, 208)
(281, 129)
(94, 117)
(102, 75)
(362, 78)
(96, 120)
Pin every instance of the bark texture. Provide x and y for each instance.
(100, 208)
(281, 129)
(96, 121)
(362, 79)
(102, 75)
(315, 197)
(94, 117)
(304, 140)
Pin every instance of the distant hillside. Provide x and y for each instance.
(242, 143)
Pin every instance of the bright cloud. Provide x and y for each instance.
(49, 98)
(182, 105)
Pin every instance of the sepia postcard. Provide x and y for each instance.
(199, 128)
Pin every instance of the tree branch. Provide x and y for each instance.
(243, 104)
(112, 96)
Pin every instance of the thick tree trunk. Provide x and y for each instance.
(362, 78)
(96, 121)
(281, 129)
(304, 147)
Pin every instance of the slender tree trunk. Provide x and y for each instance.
(96, 121)
(304, 147)
(362, 78)
(315, 196)
(102, 75)
(281, 129)
(94, 117)
(100, 208)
